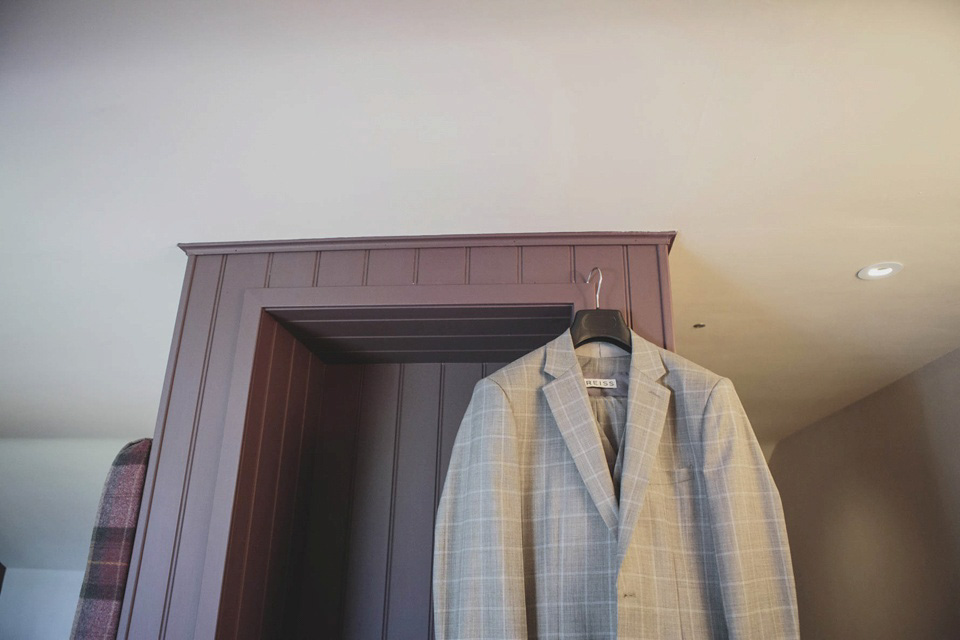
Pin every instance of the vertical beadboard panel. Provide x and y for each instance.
(494, 265)
(411, 548)
(173, 446)
(315, 594)
(240, 271)
(293, 269)
(341, 268)
(612, 260)
(446, 265)
(370, 517)
(265, 479)
(293, 546)
(234, 564)
(284, 492)
(547, 264)
(457, 381)
(391, 266)
(645, 293)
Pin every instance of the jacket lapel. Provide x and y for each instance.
(567, 396)
(647, 404)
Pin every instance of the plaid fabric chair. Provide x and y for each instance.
(98, 611)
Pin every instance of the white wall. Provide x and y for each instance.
(38, 604)
(49, 492)
(871, 496)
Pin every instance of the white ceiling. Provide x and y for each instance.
(788, 143)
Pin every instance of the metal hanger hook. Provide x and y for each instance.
(599, 282)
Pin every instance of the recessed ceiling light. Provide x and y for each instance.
(879, 270)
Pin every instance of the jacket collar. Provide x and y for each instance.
(647, 403)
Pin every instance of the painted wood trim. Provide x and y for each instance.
(666, 298)
(136, 557)
(578, 238)
(581, 295)
(225, 490)
(192, 516)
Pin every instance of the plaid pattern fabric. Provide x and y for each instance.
(98, 611)
(542, 532)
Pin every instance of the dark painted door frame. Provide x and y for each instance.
(258, 301)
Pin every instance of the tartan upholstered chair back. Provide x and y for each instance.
(98, 611)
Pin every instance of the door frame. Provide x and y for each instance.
(256, 302)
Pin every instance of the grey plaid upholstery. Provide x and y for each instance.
(548, 528)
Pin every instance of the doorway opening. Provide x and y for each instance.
(351, 415)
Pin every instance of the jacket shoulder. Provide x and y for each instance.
(688, 377)
(523, 374)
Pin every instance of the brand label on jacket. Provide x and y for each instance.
(608, 383)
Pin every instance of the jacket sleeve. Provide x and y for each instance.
(478, 576)
(746, 517)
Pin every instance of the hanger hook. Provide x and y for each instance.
(599, 282)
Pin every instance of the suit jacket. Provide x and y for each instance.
(537, 537)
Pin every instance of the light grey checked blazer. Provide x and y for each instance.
(548, 528)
